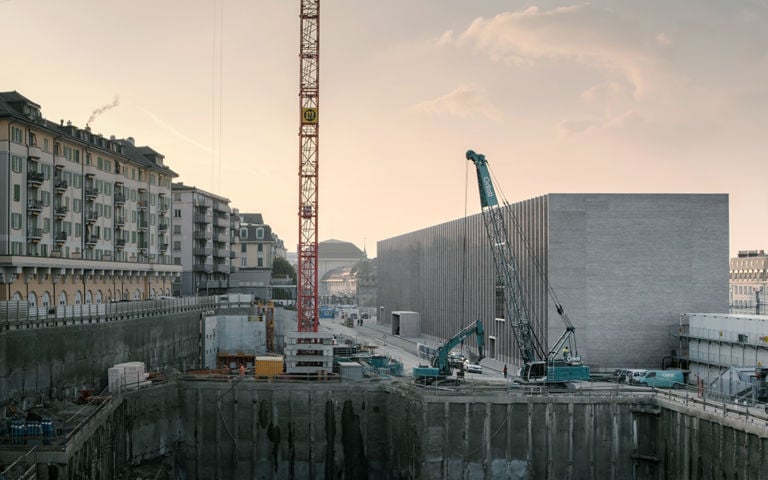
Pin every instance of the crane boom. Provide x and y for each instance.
(507, 277)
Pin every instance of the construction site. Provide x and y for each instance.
(462, 372)
(230, 422)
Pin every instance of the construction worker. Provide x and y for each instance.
(505, 370)
(566, 353)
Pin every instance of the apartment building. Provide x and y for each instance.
(259, 246)
(748, 282)
(83, 218)
(204, 229)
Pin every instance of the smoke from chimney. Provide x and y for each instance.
(103, 109)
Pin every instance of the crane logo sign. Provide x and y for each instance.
(490, 193)
(308, 115)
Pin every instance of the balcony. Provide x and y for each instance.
(200, 234)
(35, 179)
(232, 254)
(221, 237)
(163, 247)
(162, 209)
(222, 268)
(35, 152)
(162, 227)
(61, 238)
(119, 243)
(91, 193)
(202, 267)
(119, 199)
(142, 204)
(61, 212)
(119, 221)
(34, 207)
(91, 217)
(221, 222)
(34, 234)
(202, 218)
(90, 240)
(203, 252)
(233, 269)
(142, 227)
(220, 252)
(61, 186)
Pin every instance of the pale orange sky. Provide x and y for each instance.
(607, 97)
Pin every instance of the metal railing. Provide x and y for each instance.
(19, 315)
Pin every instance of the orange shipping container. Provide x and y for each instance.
(268, 366)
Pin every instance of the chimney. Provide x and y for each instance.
(131, 141)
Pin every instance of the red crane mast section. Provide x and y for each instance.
(309, 89)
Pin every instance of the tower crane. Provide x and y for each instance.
(309, 129)
(538, 365)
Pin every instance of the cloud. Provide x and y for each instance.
(581, 34)
(465, 101)
(620, 122)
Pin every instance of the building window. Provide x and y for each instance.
(16, 193)
(16, 163)
(176, 246)
(32, 299)
(177, 229)
(260, 233)
(63, 298)
(177, 213)
(260, 247)
(17, 135)
(16, 221)
(260, 262)
(244, 232)
(242, 262)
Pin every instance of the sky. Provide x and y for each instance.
(625, 96)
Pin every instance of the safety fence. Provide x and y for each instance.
(16, 315)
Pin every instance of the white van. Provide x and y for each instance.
(634, 375)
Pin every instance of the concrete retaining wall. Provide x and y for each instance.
(56, 362)
(246, 430)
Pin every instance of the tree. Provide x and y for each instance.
(281, 268)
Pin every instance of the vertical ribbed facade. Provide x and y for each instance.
(624, 266)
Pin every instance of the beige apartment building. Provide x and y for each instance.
(748, 282)
(83, 218)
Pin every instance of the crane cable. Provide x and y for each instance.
(528, 247)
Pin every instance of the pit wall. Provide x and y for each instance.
(271, 431)
(55, 363)
(242, 430)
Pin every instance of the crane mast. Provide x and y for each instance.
(507, 277)
(309, 89)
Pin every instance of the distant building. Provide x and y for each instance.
(365, 273)
(334, 256)
(622, 265)
(259, 246)
(83, 218)
(203, 243)
(748, 283)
